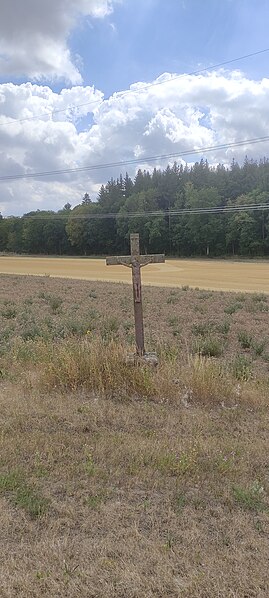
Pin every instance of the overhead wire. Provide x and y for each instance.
(144, 160)
(153, 213)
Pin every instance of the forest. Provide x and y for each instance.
(103, 226)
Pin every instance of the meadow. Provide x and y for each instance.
(130, 481)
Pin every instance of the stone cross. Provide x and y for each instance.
(136, 262)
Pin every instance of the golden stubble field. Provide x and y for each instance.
(215, 274)
(130, 482)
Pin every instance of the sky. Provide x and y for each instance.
(94, 82)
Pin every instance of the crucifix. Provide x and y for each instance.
(136, 262)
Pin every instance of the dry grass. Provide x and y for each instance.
(122, 481)
(229, 275)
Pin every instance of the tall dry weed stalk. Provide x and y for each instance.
(102, 368)
(95, 366)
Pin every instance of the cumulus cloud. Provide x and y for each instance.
(33, 36)
(186, 113)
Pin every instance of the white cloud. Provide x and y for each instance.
(186, 113)
(34, 33)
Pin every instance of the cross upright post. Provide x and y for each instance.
(136, 261)
(137, 294)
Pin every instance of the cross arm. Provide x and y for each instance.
(119, 261)
(141, 260)
(157, 258)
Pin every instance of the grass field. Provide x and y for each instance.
(120, 481)
(215, 275)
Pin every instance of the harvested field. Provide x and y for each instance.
(214, 275)
(129, 482)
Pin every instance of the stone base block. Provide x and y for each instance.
(149, 358)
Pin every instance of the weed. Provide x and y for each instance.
(89, 465)
(241, 368)
(110, 328)
(180, 502)
(10, 481)
(223, 327)
(176, 465)
(225, 463)
(43, 295)
(31, 333)
(40, 470)
(23, 495)
(250, 498)
(263, 307)
(203, 380)
(199, 309)
(93, 294)
(245, 339)
(146, 504)
(172, 299)
(258, 297)
(258, 347)
(31, 502)
(55, 304)
(232, 308)
(94, 501)
(203, 295)
(9, 313)
(127, 326)
(8, 302)
(173, 321)
(202, 329)
(209, 347)
(6, 333)
(169, 352)
(130, 338)
(124, 304)
(169, 542)
(28, 301)
(69, 571)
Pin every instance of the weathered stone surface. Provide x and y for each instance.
(150, 359)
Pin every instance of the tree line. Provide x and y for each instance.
(86, 229)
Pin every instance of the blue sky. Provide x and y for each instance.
(66, 53)
(144, 38)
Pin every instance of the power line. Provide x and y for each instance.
(202, 150)
(140, 89)
(154, 213)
